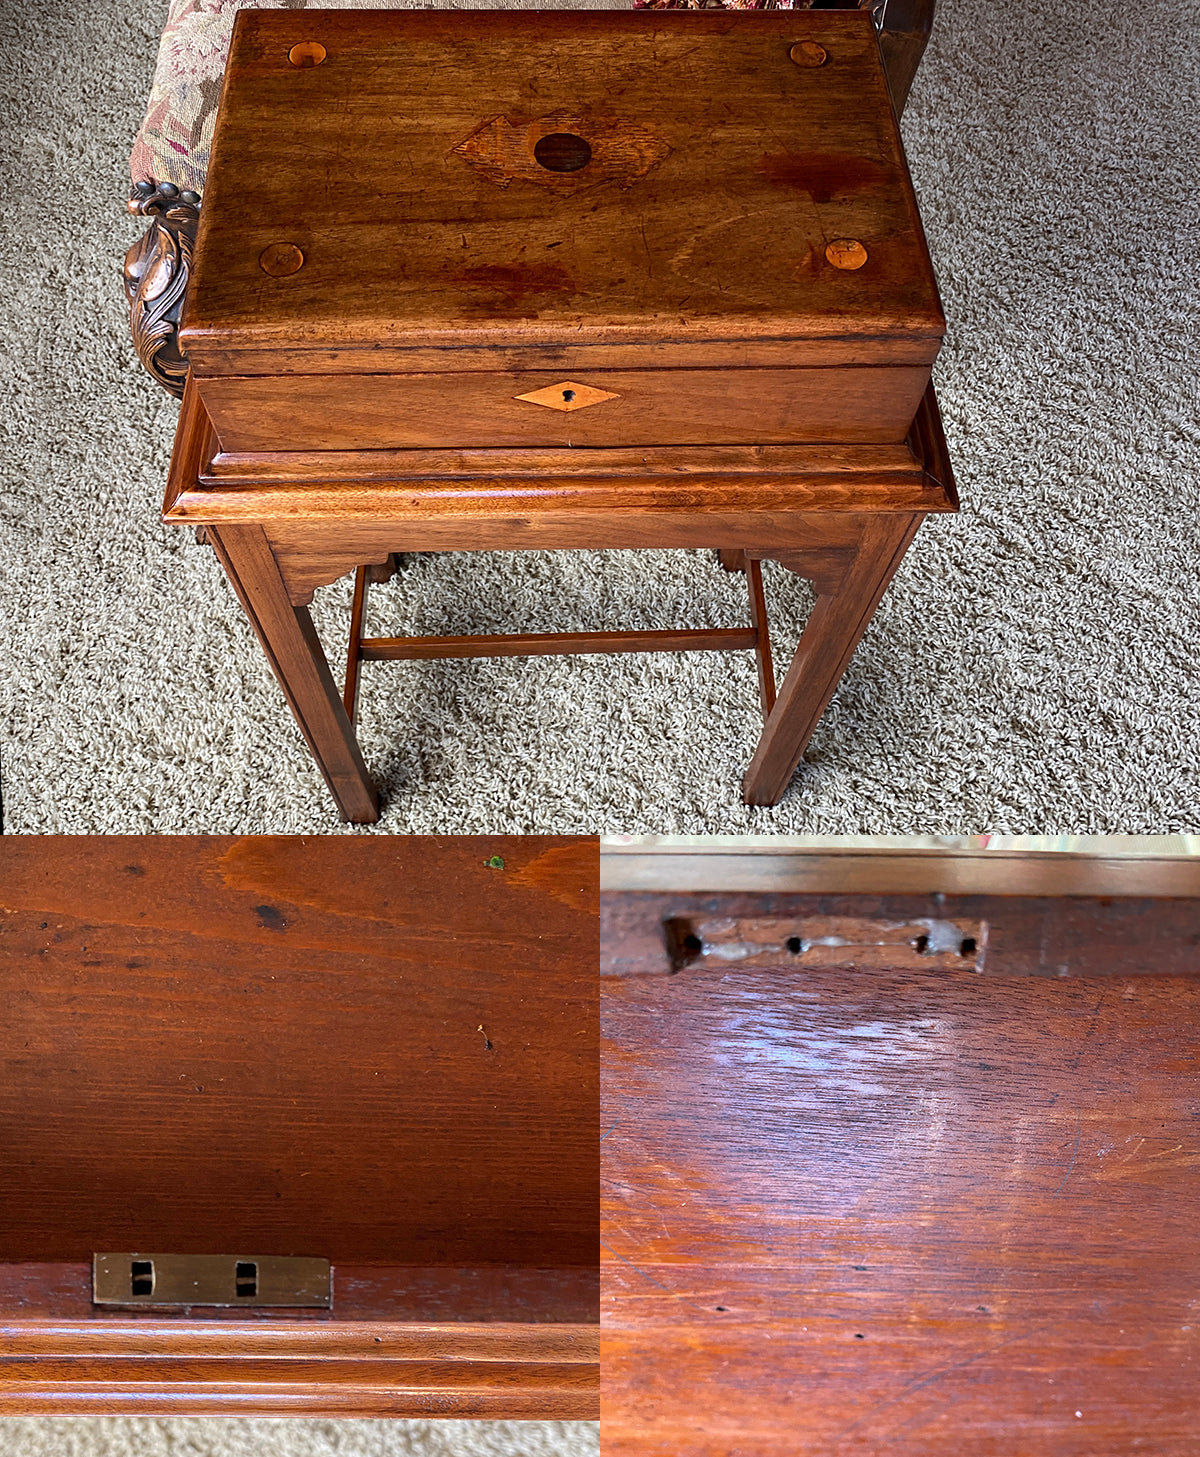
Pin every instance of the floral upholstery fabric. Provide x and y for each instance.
(176, 136)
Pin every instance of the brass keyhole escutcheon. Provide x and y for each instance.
(562, 152)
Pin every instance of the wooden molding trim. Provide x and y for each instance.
(283, 1368)
(831, 871)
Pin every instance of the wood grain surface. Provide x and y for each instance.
(757, 165)
(378, 1051)
(335, 412)
(374, 1368)
(60, 1293)
(727, 865)
(883, 1212)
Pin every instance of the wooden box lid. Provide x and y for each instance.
(646, 187)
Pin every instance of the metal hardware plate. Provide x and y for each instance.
(233, 1280)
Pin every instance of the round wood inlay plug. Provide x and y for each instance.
(808, 53)
(846, 253)
(307, 53)
(280, 259)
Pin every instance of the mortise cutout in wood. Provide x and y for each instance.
(921, 944)
(307, 53)
(562, 152)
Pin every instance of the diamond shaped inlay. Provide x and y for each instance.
(568, 396)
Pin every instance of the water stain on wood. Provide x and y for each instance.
(823, 175)
(518, 282)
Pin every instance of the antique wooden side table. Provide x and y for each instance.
(259, 1055)
(480, 280)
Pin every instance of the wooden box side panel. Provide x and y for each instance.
(651, 407)
(375, 1368)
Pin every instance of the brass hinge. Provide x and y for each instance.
(233, 1280)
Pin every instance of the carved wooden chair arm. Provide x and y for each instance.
(157, 269)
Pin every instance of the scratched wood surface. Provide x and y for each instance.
(877, 1212)
(275, 1045)
(720, 172)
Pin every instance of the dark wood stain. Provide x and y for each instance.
(271, 1044)
(823, 175)
(517, 282)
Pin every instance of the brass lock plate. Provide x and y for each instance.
(230, 1280)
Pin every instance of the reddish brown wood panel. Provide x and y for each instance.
(1054, 936)
(759, 165)
(877, 1212)
(484, 410)
(61, 1294)
(381, 1051)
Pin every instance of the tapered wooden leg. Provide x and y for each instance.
(295, 653)
(837, 622)
(733, 560)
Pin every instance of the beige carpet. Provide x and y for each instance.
(1034, 668)
(290, 1437)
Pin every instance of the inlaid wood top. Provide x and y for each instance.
(550, 179)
